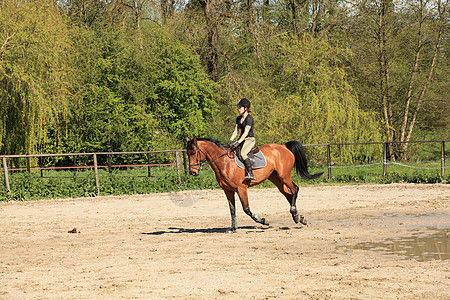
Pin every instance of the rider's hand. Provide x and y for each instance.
(234, 146)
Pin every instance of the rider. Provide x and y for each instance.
(244, 124)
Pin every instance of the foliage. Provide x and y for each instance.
(136, 98)
(303, 94)
(35, 72)
(84, 76)
(393, 69)
(312, 100)
(131, 90)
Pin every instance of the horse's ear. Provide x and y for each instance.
(194, 139)
(187, 139)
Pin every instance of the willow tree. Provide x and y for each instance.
(310, 99)
(34, 72)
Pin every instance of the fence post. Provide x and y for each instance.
(97, 182)
(5, 168)
(74, 164)
(28, 163)
(41, 165)
(185, 163)
(149, 172)
(110, 163)
(329, 160)
(177, 155)
(443, 160)
(385, 146)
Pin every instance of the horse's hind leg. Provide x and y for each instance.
(297, 218)
(290, 190)
(243, 196)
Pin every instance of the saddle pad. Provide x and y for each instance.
(258, 161)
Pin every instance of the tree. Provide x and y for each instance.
(311, 99)
(167, 9)
(35, 72)
(397, 47)
(442, 17)
(131, 97)
(210, 10)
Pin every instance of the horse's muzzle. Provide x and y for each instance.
(194, 173)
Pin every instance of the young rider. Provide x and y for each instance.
(244, 125)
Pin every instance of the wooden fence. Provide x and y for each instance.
(181, 161)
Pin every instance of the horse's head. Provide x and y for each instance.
(196, 156)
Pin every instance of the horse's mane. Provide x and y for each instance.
(217, 142)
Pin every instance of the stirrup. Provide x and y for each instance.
(249, 176)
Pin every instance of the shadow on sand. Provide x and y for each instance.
(246, 229)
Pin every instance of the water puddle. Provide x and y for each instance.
(422, 246)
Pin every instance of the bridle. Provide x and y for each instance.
(199, 161)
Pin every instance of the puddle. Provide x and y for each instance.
(420, 246)
(408, 220)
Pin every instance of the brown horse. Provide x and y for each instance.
(280, 161)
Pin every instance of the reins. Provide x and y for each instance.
(208, 162)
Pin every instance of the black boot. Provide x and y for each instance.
(248, 170)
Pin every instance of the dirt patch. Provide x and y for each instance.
(175, 245)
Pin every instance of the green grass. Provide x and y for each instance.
(70, 184)
(407, 172)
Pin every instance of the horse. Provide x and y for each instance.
(280, 161)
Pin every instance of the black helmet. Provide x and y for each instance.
(244, 102)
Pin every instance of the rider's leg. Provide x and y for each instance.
(249, 143)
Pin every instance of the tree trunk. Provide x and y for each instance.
(210, 10)
(137, 11)
(266, 9)
(383, 65)
(167, 9)
(293, 7)
(317, 14)
(413, 74)
(442, 12)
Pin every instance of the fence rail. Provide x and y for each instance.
(96, 166)
(385, 152)
(178, 163)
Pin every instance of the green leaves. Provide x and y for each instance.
(132, 99)
(95, 85)
(311, 100)
(34, 73)
(95, 75)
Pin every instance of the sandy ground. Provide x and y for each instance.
(175, 245)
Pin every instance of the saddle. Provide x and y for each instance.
(256, 157)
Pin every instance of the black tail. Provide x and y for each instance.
(301, 165)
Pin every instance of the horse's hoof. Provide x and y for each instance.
(264, 221)
(231, 230)
(303, 221)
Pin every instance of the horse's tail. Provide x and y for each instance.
(301, 165)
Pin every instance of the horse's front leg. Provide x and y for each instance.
(232, 205)
(243, 196)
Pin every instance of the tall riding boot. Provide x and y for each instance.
(248, 169)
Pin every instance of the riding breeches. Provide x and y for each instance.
(248, 144)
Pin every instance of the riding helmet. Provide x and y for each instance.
(244, 102)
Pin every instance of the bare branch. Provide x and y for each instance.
(6, 43)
